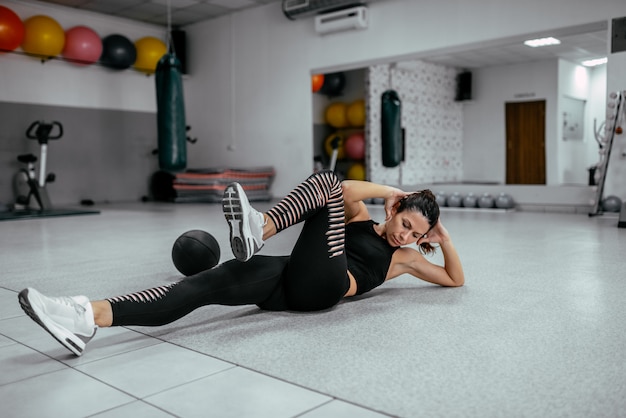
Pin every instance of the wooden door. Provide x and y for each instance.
(525, 142)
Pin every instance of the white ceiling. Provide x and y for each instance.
(577, 43)
(183, 12)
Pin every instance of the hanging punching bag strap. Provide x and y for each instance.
(391, 129)
(171, 123)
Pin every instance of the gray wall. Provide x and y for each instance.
(104, 155)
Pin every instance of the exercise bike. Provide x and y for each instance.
(26, 183)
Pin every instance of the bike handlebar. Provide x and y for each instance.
(43, 131)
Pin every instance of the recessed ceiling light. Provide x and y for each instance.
(534, 43)
(594, 62)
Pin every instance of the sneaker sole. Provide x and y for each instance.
(69, 340)
(236, 210)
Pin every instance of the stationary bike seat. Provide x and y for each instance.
(27, 158)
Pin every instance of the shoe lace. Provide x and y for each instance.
(71, 303)
(257, 226)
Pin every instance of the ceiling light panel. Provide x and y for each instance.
(535, 43)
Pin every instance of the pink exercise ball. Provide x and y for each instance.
(355, 146)
(83, 46)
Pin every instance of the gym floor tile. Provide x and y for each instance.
(137, 409)
(4, 341)
(107, 342)
(9, 307)
(340, 409)
(65, 393)
(18, 362)
(236, 393)
(153, 369)
(536, 331)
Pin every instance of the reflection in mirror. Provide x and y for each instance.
(507, 71)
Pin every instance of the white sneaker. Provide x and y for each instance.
(245, 222)
(68, 319)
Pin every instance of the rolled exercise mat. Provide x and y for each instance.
(171, 125)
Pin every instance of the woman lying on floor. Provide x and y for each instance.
(340, 252)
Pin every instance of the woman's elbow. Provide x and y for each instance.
(457, 281)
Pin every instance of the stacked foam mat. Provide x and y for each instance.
(207, 185)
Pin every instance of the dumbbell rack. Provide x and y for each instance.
(615, 104)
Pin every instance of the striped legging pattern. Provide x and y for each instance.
(322, 189)
(145, 296)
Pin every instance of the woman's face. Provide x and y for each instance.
(406, 228)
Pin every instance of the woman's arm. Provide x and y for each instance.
(411, 261)
(355, 192)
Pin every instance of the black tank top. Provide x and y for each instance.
(368, 254)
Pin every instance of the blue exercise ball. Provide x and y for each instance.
(118, 52)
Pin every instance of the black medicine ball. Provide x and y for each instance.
(334, 84)
(118, 52)
(195, 251)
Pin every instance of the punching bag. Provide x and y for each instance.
(171, 123)
(391, 128)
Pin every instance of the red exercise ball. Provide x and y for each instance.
(317, 81)
(355, 146)
(83, 46)
(11, 30)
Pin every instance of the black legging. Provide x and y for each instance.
(313, 277)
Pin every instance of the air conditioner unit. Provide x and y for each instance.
(346, 19)
(295, 9)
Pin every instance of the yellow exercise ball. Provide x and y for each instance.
(356, 113)
(336, 115)
(328, 144)
(149, 52)
(356, 172)
(43, 36)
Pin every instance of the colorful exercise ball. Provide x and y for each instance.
(83, 46)
(11, 30)
(356, 172)
(43, 36)
(118, 52)
(317, 81)
(356, 113)
(338, 139)
(149, 52)
(336, 115)
(355, 146)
